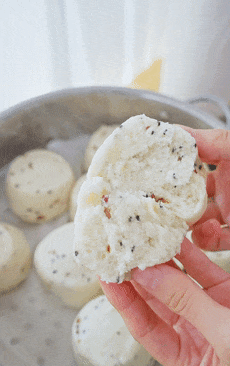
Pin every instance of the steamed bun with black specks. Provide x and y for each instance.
(15, 257)
(38, 185)
(73, 196)
(54, 261)
(96, 140)
(101, 338)
(145, 186)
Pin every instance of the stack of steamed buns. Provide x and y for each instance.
(144, 186)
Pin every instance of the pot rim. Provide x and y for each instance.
(143, 94)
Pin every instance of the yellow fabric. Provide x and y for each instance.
(149, 78)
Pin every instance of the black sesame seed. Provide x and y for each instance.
(118, 279)
(76, 253)
(173, 149)
(152, 132)
(121, 126)
(164, 133)
(195, 165)
(180, 147)
(146, 195)
(121, 244)
(174, 175)
(195, 145)
(200, 167)
(175, 186)
(130, 218)
(138, 218)
(158, 123)
(132, 249)
(212, 167)
(54, 271)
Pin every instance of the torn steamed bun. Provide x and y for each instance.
(144, 187)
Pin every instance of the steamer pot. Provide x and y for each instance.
(67, 113)
(35, 327)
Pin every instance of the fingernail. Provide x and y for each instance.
(149, 278)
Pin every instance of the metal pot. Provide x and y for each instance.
(67, 113)
(63, 115)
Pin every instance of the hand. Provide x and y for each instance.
(177, 321)
(214, 148)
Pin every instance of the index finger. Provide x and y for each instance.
(213, 145)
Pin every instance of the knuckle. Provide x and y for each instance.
(223, 136)
(180, 302)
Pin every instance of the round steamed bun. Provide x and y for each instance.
(55, 264)
(38, 185)
(96, 141)
(74, 195)
(15, 257)
(144, 187)
(101, 338)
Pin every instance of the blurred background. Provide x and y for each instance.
(180, 48)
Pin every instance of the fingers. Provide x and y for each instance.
(147, 328)
(210, 184)
(160, 309)
(211, 236)
(222, 196)
(212, 212)
(213, 145)
(185, 298)
(199, 267)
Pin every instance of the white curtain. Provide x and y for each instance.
(46, 45)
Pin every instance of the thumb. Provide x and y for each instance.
(213, 145)
(187, 299)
